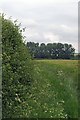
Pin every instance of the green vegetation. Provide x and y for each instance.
(51, 50)
(16, 68)
(0, 69)
(38, 88)
(54, 92)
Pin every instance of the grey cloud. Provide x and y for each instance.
(45, 18)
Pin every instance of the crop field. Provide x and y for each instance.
(54, 92)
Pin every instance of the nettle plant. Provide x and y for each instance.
(16, 69)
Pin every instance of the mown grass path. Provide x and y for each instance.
(54, 92)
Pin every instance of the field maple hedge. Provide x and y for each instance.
(16, 69)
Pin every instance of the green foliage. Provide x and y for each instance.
(51, 50)
(53, 94)
(55, 89)
(0, 69)
(16, 68)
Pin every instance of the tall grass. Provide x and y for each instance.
(54, 92)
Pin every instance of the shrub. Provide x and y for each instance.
(16, 69)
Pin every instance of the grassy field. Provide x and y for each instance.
(54, 90)
(54, 94)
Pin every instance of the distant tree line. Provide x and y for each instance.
(51, 50)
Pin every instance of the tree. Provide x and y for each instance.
(51, 50)
(68, 51)
(16, 69)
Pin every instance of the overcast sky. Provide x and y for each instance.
(46, 21)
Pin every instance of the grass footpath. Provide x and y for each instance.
(54, 94)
